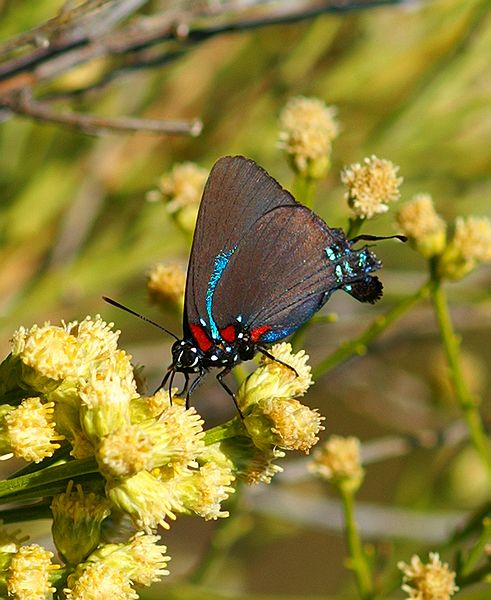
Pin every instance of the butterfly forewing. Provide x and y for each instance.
(238, 192)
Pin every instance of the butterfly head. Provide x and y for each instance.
(186, 357)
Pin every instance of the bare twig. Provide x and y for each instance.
(65, 51)
(23, 105)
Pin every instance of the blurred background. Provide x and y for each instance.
(411, 82)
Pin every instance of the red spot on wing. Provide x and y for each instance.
(228, 334)
(258, 332)
(200, 337)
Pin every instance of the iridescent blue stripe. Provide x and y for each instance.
(221, 262)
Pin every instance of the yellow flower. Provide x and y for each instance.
(30, 430)
(29, 573)
(77, 522)
(308, 127)
(244, 459)
(202, 491)
(149, 563)
(470, 245)
(146, 499)
(51, 354)
(173, 442)
(142, 559)
(338, 461)
(105, 396)
(275, 380)
(371, 186)
(423, 226)
(183, 186)
(431, 581)
(166, 283)
(96, 580)
(283, 422)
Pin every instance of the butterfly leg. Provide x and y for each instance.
(170, 370)
(186, 383)
(220, 377)
(271, 357)
(193, 386)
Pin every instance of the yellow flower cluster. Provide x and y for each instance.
(148, 454)
(469, 246)
(430, 581)
(308, 127)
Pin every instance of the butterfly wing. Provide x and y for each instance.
(238, 192)
(284, 269)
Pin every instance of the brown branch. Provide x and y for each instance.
(64, 50)
(23, 105)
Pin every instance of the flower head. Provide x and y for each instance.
(202, 491)
(338, 461)
(165, 284)
(430, 581)
(105, 396)
(173, 442)
(283, 422)
(470, 245)
(146, 499)
(182, 189)
(371, 186)
(95, 580)
(77, 522)
(244, 459)
(423, 226)
(29, 573)
(51, 353)
(272, 379)
(30, 430)
(308, 127)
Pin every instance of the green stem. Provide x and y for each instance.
(354, 227)
(468, 402)
(358, 345)
(304, 189)
(478, 550)
(40, 480)
(357, 559)
(230, 429)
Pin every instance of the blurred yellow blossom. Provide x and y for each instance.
(338, 461)
(181, 189)
(166, 283)
(371, 186)
(470, 245)
(423, 226)
(308, 127)
(430, 581)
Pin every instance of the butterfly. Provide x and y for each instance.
(261, 265)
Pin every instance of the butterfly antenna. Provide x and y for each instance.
(132, 312)
(375, 238)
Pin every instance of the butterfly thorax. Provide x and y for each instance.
(189, 357)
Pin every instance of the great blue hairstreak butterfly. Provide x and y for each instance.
(261, 265)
